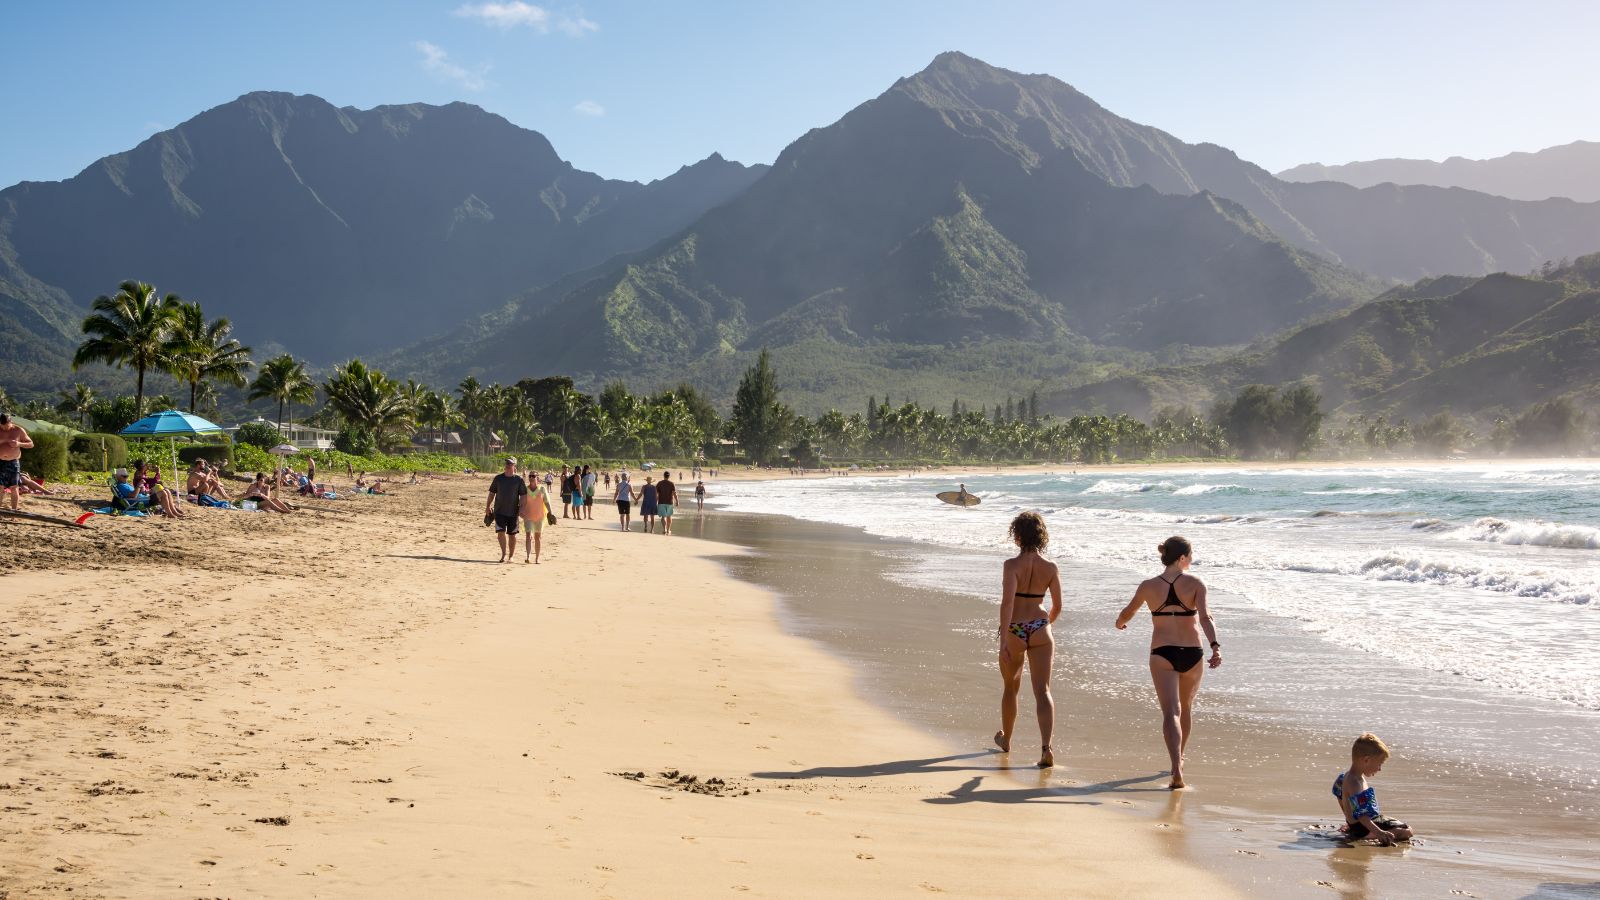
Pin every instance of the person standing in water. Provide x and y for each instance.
(700, 496)
(1177, 604)
(1025, 637)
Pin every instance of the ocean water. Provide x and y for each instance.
(1455, 610)
(1488, 574)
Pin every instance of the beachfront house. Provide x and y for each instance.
(302, 436)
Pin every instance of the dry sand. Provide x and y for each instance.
(357, 701)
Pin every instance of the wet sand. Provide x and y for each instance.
(1259, 812)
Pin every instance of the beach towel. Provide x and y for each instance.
(108, 511)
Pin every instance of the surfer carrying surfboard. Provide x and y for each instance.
(962, 497)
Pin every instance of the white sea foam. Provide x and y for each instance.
(1109, 486)
(1193, 489)
(1538, 534)
(1360, 492)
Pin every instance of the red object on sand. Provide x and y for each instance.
(81, 519)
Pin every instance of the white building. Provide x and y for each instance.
(302, 436)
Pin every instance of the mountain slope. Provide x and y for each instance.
(1570, 170)
(1497, 342)
(334, 231)
(1392, 232)
(910, 222)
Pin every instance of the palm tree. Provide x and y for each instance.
(284, 380)
(367, 399)
(131, 327)
(474, 399)
(199, 351)
(77, 401)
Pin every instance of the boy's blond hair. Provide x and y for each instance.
(1369, 744)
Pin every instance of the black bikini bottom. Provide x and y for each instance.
(1182, 658)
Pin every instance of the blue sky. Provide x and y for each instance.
(635, 89)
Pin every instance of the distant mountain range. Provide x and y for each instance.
(969, 231)
(1570, 170)
(970, 205)
(1469, 345)
(332, 231)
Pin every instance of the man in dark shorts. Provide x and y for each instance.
(666, 501)
(566, 492)
(13, 440)
(506, 493)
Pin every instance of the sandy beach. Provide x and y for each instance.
(356, 701)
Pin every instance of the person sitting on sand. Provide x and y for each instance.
(1177, 604)
(147, 481)
(213, 480)
(260, 491)
(1358, 802)
(1025, 637)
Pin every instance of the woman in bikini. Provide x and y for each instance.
(1025, 631)
(1177, 604)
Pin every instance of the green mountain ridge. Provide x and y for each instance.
(334, 231)
(1471, 346)
(913, 222)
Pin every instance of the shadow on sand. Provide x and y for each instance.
(436, 558)
(971, 791)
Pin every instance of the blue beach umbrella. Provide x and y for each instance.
(171, 423)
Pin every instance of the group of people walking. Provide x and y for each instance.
(1182, 630)
(523, 504)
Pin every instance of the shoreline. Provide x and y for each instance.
(745, 474)
(357, 701)
(901, 661)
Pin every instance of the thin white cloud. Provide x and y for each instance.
(436, 62)
(576, 26)
(589, 108)
(508, 14)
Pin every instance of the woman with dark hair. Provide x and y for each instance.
(1025, 631)
(1177, 604)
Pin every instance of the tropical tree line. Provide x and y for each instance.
(138, 328)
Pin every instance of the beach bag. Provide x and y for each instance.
(549, 517)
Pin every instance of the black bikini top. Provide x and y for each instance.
(1172, 600)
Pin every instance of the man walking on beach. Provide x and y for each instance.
(566, 491)
(666, 498)
(13, 440)
(506, 493)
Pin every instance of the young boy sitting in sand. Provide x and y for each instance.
(1359, 802)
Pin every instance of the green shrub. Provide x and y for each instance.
(552, 445)
(257, 434)
(47, 458)
(250, 458)
(587, 453)
(220, 455)
(355, 441)
(97, 452)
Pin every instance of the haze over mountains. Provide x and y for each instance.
(1570, 170)
(968, 229)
